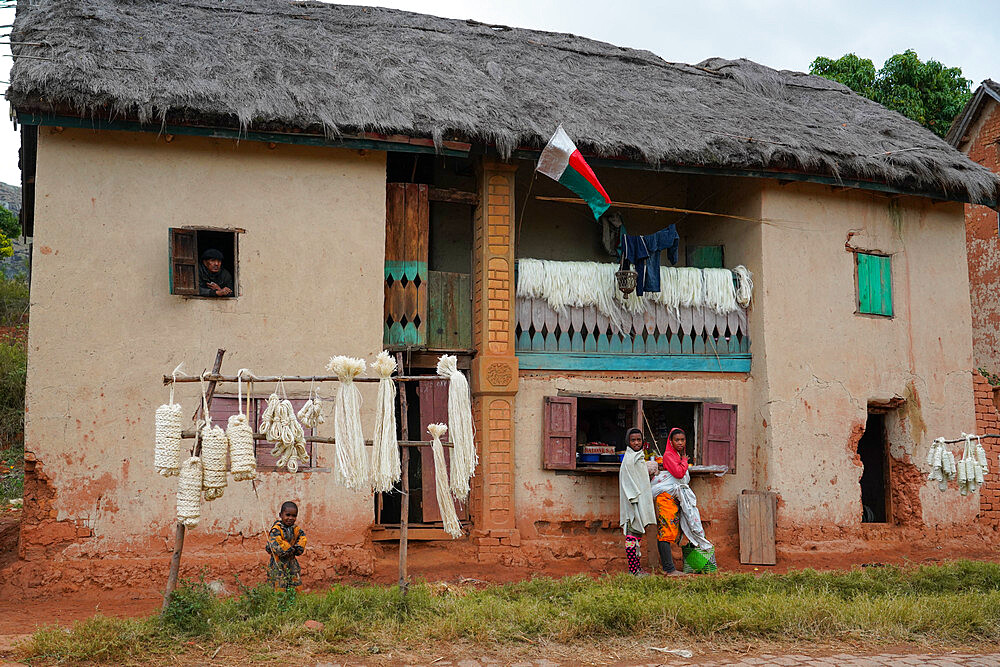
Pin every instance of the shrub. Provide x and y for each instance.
(190, 607)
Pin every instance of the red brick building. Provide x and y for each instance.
(976, 132)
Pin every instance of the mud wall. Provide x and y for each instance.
(105, 328)
(826, 364)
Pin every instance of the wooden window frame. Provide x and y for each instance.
(700, 425)
(176, 262)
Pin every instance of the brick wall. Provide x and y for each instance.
(984, 246)
(988, 421)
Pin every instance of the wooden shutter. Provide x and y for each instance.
(874, 284)
(433, 395)
(183, 261)
(704, 256)
(559, 434)
(407, 231)
(718, 426)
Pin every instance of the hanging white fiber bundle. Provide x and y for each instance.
(352, 470)
(445, 503)
(464, 458)
(942, 464)
(167, 456)
(971, 468)
(214, 452)
(279, 425)
(744, 288)
(720, 292)
(242, 454)
(385, 450)
(311, 414)
(582, 284)
(169, 424)
(189, 492)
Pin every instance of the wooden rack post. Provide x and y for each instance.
(175, 560)
(404, 482)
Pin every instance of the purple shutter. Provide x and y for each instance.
(719, 435)
(559, 433)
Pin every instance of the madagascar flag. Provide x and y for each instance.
(561, 161)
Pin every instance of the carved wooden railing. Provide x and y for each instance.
(657, 331)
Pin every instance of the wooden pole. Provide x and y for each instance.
(215, 377)
(175, 560)
(648, 207)
(404, 503)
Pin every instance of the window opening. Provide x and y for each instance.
(661, 416)
(873, 453)
(187, 246)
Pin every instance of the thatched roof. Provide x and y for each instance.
(988, 90)
(332, 69)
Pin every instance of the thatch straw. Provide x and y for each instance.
(333, 69)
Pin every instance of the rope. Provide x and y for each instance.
(385, 451)
(242, 454)
(169, 423)
(189, 493)
(445, 503)
(463, 455)
(214, 451)
(352, 469)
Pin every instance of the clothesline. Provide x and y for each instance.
(187, 435)
(974, 437)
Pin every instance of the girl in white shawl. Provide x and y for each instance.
(635, 498)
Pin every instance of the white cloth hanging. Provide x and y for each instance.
(385, 446)
(464, 458)
(352, 469)
(445, 503)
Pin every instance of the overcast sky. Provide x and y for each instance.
(784, 34)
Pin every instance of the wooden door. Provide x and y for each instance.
(433, 397)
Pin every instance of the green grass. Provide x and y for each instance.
(11, 475)
(13, 300)
(958, 602)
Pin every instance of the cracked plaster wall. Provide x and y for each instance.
(104, 327)
(825, 363)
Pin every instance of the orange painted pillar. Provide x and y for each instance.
(494, 369)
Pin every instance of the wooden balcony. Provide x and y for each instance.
(658, 339)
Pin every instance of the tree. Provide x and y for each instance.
(927, 92)
(9, 228)
(9, 223)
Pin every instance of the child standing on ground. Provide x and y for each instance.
(635, 499)
(285, 541)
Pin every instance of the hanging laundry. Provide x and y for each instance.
(643, 252)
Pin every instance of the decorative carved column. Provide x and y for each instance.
(494, 370)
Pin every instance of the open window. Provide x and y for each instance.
(186, 248)
(587, 433)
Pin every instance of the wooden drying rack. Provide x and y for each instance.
(215, 377)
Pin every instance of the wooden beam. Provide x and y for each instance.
(453, 196)
(215, 377)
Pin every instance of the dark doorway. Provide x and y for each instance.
(874, 461)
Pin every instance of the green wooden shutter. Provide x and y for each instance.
(704, 256)
(874, 284)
